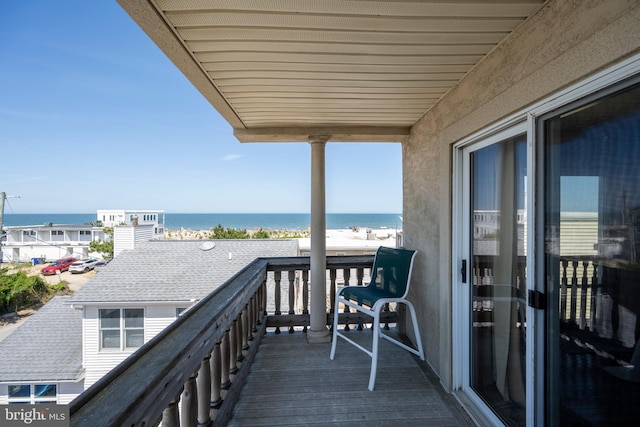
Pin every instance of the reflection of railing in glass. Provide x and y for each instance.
(579, 291)
(597, 304)
(585, 297)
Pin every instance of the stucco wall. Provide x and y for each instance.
(562, 44)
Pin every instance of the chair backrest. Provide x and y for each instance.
(391, 272)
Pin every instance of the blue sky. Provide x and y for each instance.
(94, 116)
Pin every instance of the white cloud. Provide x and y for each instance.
(232, 157)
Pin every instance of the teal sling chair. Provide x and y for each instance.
(390, 278)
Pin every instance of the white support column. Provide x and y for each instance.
(318, 331)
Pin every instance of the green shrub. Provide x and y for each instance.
(261, 234)
(219, 232)
(18, 290)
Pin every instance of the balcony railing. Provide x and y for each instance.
(192, 372)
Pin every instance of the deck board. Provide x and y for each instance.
(294, 383)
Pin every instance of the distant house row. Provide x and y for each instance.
(49, 241)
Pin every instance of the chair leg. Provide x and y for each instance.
(374, 350)
(334, 339)
(416, 332)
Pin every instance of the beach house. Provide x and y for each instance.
(500, 106)
(48, 242)
(146, 217)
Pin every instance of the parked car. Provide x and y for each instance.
(83, 266)
(60, 265)
(102, 264)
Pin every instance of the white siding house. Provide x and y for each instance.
(114, 217)
(48, 241)
(99, 361)
(126, 237)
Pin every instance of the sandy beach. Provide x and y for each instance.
(349, 239)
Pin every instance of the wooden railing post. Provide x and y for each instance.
(171, 415)
(332, 289)
(387, 309)
(252, 318)
(292, 296)
(346, 275)
(239, 334)
(305, 291)
(203, 382)
(346, 272)
(189, 402)
(360, 276)
(277, 276)
(225, 348)
(263, 299)
(305, 295)
(246, 331)
(233, 347)
(298, 291)
(216, 379)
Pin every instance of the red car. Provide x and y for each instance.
(61, 265)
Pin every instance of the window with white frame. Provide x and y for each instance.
(32, 393)
(121, 328)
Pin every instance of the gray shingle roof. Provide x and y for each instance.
(176, 270)
(47, 347)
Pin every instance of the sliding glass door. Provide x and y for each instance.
(499, 279)
(495, 206)
(546, 265)
(591, 199)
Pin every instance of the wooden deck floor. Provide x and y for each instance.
(294, 383)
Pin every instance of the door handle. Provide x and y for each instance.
(463, 271)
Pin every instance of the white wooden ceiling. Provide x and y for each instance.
(358, 70)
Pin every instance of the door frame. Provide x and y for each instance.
(523, 121)
(462, 235)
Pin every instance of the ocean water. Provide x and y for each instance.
(206, 221)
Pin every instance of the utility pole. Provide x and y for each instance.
(3, 197)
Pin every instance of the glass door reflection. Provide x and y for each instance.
(499, 217)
